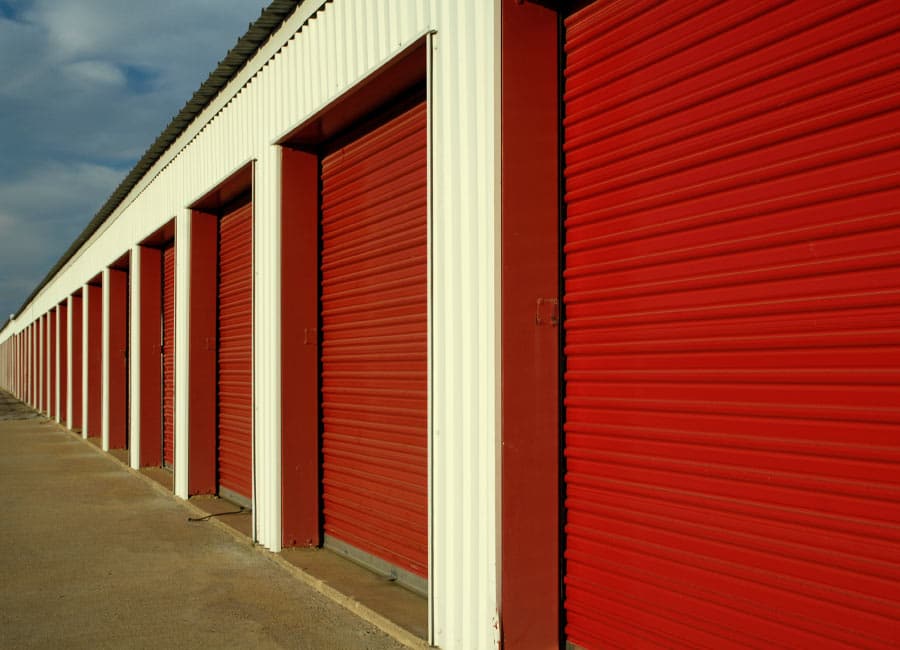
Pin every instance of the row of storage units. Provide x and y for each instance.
(580, 319)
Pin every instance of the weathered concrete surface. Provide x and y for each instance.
(92, 556)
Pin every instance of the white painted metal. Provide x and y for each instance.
(134, 358)
(56, 352)
(48, 399)
(465, 175)
(45, 360)
(27, 358)
(69, 399)
(299, 71)
(39, 345)
(182, 367)
(48, 363)
(84, 360)
(429, 71)
(42, 364)
(266, 346)
(42, 375)
(45, 364)
(104, 369)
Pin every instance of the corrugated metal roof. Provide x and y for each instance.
(258, 33)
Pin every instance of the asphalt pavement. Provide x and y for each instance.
(92, 555)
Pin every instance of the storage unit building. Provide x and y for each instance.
(578, 318)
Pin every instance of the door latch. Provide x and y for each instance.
(547, 312)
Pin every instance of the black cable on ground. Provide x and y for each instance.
(219, 514)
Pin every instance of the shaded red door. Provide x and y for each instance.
(168, 355)
(235, 352)
(374, 342)
(732, 264)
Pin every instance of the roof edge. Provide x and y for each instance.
(271, 18)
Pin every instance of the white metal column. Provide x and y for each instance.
(134, 358)
(182, 323)
(104, 370)
(85, 354)
(68, 379)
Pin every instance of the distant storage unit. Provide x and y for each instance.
(579, 320)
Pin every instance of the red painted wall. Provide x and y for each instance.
(202, 355)
(530, 598)
(94, 359)
(118, 359)
(299, 351)
(149, 350)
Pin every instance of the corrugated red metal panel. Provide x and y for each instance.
(732, 310)
(235, 352)
(374, 342)
(168, 354)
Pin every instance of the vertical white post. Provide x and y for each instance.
(182, 325)
(85, 357)
(104, 371)
(134, 358)
(69, 419)
(39, 344)
(267, 348)
(56, 355)
(45, 347)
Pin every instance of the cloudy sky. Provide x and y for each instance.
(86, 86)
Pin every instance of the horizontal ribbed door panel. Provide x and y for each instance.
(374, 342)
(235, 352)
(168, 355)
(732, 319)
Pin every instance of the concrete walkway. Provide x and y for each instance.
(94, 556)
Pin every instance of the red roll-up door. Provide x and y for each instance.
(235, 352)
(374, 342)
(168, 355)
(732, 296)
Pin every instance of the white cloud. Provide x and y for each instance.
(88, 85)
(97, 72)
(54, 190)
(41, 213)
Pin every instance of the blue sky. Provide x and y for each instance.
(86, 87)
